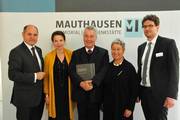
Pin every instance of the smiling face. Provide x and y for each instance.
(150, 29)
(30, 35)
(89, 38)
(58, 42)
(117, 52)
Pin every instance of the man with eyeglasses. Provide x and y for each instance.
(158, 71)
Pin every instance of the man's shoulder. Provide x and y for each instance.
(101, 49)
(37, 47)
(17, 48)
(165, 39)
(141, 45)
(78, 50)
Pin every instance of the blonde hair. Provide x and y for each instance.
(119, 42)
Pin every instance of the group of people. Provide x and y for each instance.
(114, 88)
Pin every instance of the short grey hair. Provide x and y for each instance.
(119, 42)
(91, 28)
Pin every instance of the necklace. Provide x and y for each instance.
(118, 64)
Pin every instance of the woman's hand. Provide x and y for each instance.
(127, 113)
(47, 99)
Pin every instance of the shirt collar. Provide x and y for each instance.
(29, 46)
(153, 41)
(89, 49)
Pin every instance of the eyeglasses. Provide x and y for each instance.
(148, 26)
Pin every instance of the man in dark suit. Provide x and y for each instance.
(88, 93)
(158, 70)
(25, 66)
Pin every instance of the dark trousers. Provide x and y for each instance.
(33, 113)
(152, 107)
(88, 111)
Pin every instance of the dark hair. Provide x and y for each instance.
(153, 18)
(26, 26)
(58, 33)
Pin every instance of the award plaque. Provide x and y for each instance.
(86, 71)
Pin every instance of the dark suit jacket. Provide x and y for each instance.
(100, 58)
(164, 69)
(21, 70)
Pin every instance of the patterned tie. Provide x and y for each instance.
(144, 82)
(35, 59)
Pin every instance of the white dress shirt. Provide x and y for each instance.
(153, 41)
(39, 60)
(89, 49)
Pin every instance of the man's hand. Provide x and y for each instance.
(169, 102)
(40, 75)
(86, 85)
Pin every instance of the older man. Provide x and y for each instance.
(25, 66)
(88, 92)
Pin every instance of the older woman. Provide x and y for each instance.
(57, 86)
(120, 86)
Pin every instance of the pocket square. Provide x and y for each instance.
(160, 54)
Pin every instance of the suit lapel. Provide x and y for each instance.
(156, 48)
(83, 55)
(27, 51)
(142, 51)
(29, 54)
(93, 56)
(40, 54)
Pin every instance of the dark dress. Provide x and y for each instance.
(120, 91)
(61, 90)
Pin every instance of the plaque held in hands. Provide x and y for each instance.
(86, 71)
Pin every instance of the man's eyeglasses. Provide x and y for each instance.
(148, 26)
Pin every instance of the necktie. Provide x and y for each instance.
(145, 64)
(35, 59)
(89, 51)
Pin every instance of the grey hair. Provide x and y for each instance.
(91, 28)
(119, 42)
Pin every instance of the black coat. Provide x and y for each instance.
(120, 90)
(100, 58)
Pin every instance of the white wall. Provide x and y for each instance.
(11, 28)
(0, 80)
(0, 66)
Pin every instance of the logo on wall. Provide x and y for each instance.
(126, 27)
(133, 28)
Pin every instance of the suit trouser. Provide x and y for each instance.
(152, 107)
(32, 113)
(88, 111)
